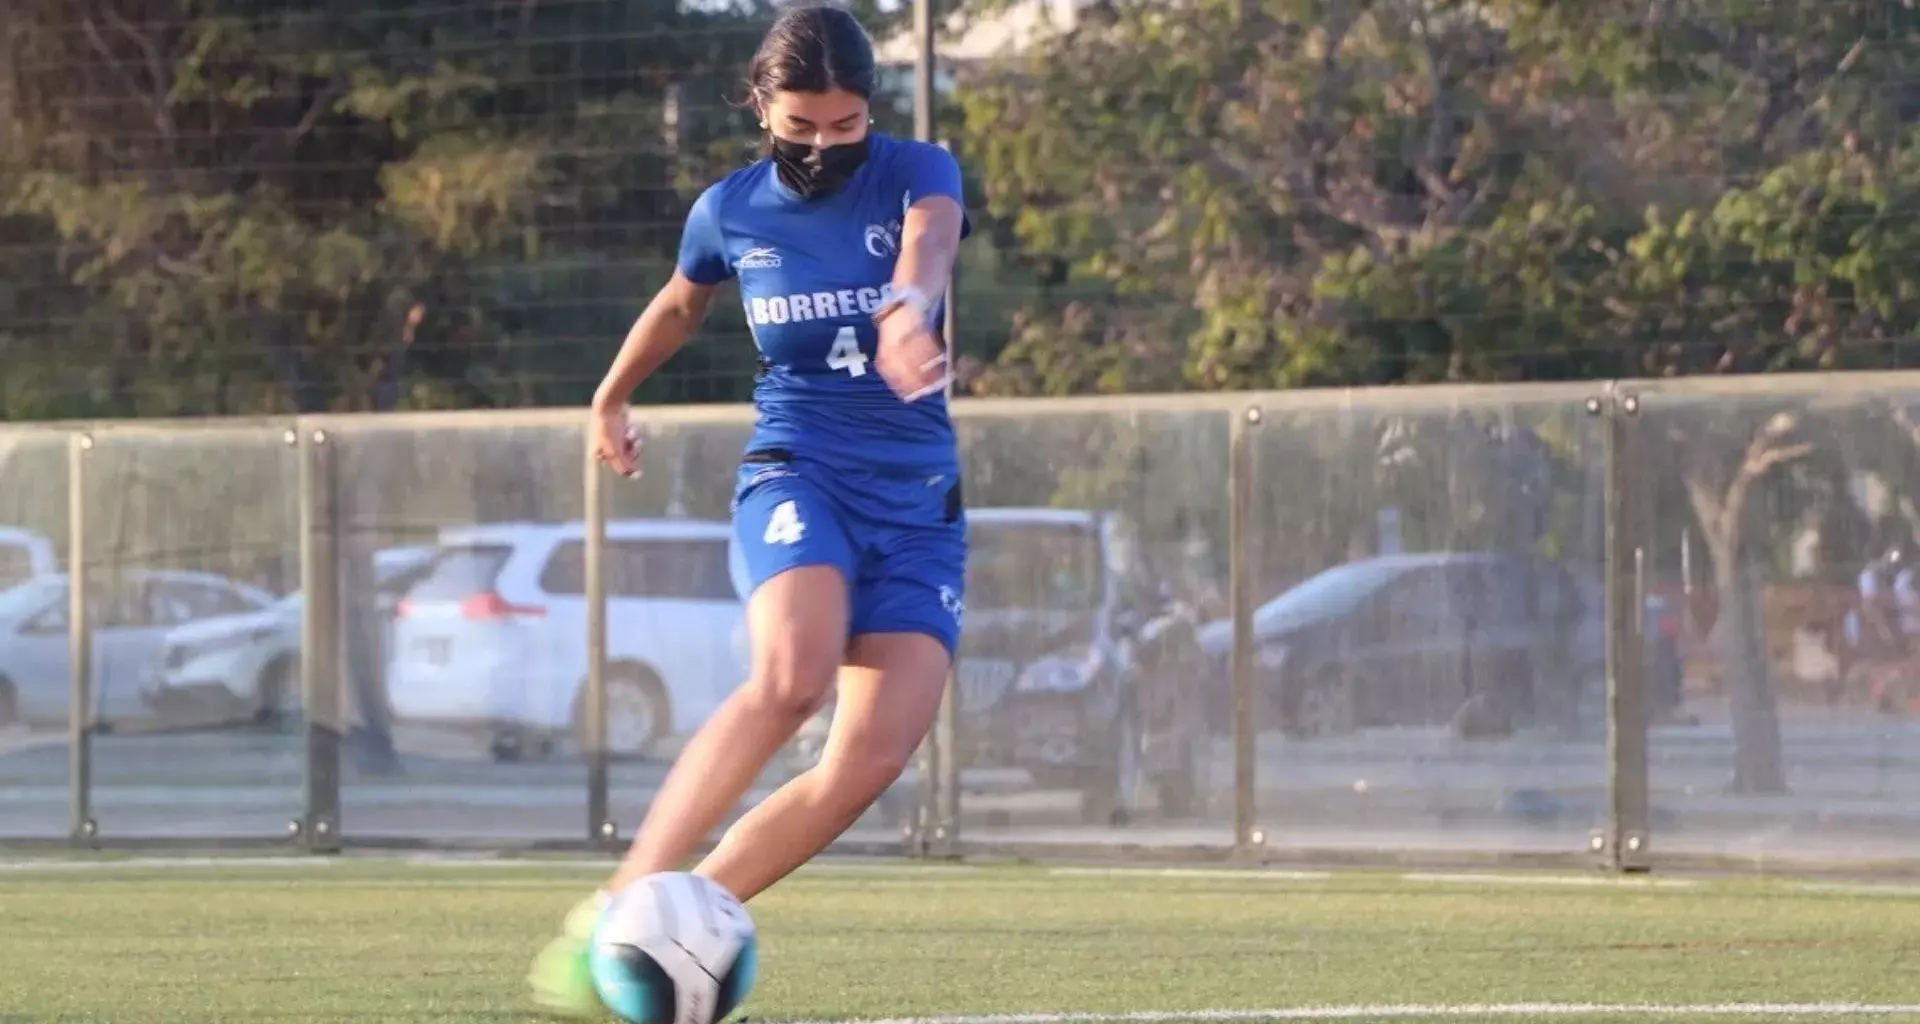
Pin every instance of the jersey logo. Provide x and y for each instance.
(759, 259)
(953, 604)
(883, 240)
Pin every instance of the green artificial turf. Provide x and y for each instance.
(387, 941)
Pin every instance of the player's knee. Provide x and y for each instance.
(861, 771)
(793, 675)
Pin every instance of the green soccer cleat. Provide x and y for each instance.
(561, 981)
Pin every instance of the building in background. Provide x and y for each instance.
(975, 40)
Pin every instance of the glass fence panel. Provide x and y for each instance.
(35, 686)
(1429, 620)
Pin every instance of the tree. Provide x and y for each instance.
(351, 206)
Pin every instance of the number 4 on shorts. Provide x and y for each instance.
(784, 526)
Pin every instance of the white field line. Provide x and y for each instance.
(1860, 889)
(881, 868)
(1471, 878)
(430, 860)
(1415, 1010)
(125, 863)
(1249, 874)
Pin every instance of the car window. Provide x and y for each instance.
(1524, 592)
(1510, 594)
(52, 618)
(16, 565)
(1418, 605)
(168, 605)
(1034, 566)
(393, 583)
(172, 602)
(460, 572)
(116, 609)
(208, 601)
(118, 605)
(683, 570)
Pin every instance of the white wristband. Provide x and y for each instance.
(908, 296)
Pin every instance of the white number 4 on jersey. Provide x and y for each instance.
(784, 526)
(846, 354)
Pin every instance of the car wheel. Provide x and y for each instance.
(637, 713)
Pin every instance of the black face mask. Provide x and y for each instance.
(815, 172)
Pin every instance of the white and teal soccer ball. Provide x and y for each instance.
(673, 948)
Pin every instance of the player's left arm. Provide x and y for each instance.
(911, 356)
(929, 245)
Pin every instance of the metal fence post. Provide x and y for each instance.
(320, 638)
(1248, 838)
(919, 828)
(946, 726)
(81, 828)
(1622, 845)
(601, 828)
(946, 751)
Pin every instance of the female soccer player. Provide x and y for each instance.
(847, 506)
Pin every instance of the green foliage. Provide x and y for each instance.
(1358, 192)
(381, 203)
(348, 206)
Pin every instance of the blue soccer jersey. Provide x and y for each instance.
(839, 470)
(812, 273)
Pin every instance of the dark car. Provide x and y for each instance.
(1047, 678)
(1034, 660)
(1484, 641)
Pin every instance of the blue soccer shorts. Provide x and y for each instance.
(900, 541)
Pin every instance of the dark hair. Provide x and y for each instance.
(813, 48)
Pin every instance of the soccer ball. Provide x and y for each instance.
(672, 948)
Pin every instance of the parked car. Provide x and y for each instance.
(130, 615)
(493, 634)
(1053, 676)
(247, 667)
(1486, 641)
(24, 555)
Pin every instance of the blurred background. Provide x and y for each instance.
(1486, 351)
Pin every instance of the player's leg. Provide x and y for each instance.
(797, 622)
(888, 693)
(799, 560)
(906, 623)
(798, 554)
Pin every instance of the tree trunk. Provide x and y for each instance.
(1720, 503)
(1740, 645)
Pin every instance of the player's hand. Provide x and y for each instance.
(615, 440)
(910, 359)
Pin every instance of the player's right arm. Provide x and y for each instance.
(661, 329)
(665, 325)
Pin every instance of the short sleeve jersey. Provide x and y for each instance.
(812, 273)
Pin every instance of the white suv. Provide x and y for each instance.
(494, 634)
